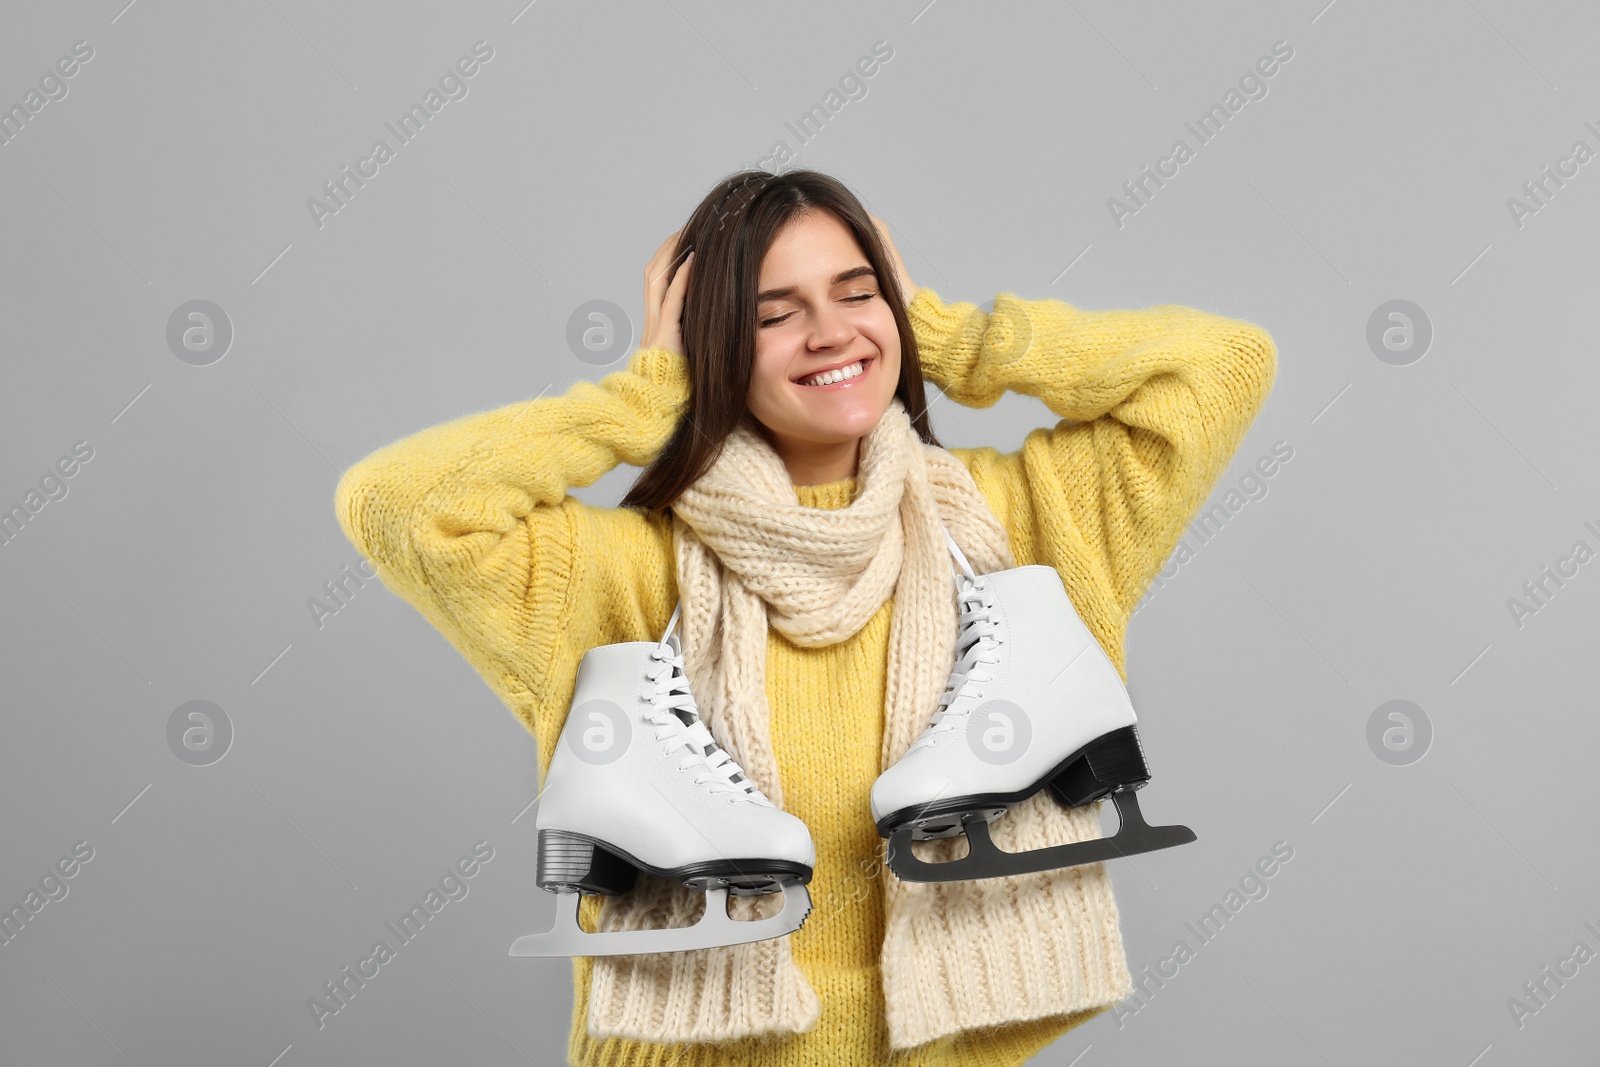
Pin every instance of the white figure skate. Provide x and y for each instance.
(637, 783)
(1033, 701)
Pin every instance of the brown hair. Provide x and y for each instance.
(730, 232)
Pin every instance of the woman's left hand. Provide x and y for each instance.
(908, 288)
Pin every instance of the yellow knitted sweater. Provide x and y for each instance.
(470, 522)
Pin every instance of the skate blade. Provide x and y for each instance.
(984, 859)
(715, 928)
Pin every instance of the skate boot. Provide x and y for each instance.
(1033, 701)
(637, 783)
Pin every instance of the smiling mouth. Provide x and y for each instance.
(853, 371)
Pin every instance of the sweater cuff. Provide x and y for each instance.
(665, 368)
(938, 327)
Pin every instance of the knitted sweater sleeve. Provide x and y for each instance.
(471, 523)
(1154, 402)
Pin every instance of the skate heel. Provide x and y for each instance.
(570, 861)
(1112, 762)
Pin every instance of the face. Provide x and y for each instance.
(821, 306)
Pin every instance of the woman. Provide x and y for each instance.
(800, 526)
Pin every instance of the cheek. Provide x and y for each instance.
(766, 376)
(769, 378)
(884, 333)
(888, 342)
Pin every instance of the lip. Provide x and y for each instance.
(868, 362)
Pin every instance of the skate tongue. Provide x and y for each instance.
(680, 682)
(701, 735)
(717, 760)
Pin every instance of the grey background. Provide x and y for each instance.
(367, 756)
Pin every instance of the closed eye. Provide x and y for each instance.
(861, 298)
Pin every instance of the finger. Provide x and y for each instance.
(661, 264)
(678, 291)
(655, 286)
(661, 255)
(655, 280)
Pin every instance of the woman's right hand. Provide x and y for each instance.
(663, 303)
(908, 288)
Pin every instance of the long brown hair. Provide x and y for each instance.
(730, 232)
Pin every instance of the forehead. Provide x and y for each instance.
(812, 249)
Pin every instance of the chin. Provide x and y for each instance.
(838, 427)
(856, 424)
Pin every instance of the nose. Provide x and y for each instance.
(830, 328)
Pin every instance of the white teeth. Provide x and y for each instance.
(829, 377)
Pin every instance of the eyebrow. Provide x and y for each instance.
(789, 290)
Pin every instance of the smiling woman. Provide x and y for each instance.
(790, 277)
(827, 357)
(802, 533)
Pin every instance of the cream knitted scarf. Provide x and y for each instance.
(748, 554)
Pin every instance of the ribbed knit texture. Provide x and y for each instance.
(470, 521)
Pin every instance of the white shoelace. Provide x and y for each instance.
(979, 639)
(678, 725)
